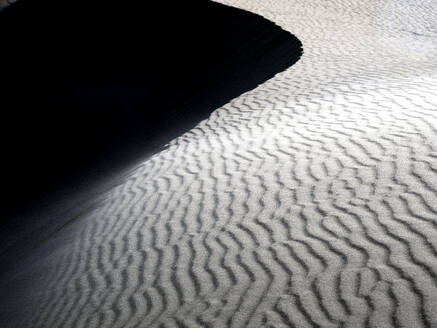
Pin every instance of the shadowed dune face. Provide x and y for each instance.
(86, 88)
(309, 201)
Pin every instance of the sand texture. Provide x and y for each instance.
(310, 201)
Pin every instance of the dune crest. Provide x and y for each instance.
(309, 201)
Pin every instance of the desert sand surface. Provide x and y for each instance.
(310, 201)
(86, 87)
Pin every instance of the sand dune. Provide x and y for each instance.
(112, 91)
(310, 201)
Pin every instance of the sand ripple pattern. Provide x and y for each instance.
(310, 201)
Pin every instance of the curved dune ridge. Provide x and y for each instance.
(115, 82)
(310, 201)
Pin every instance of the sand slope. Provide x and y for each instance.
(310, 201)
(108, 81)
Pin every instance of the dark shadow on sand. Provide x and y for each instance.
(87, 87)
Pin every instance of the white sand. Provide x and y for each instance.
(310, 201)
